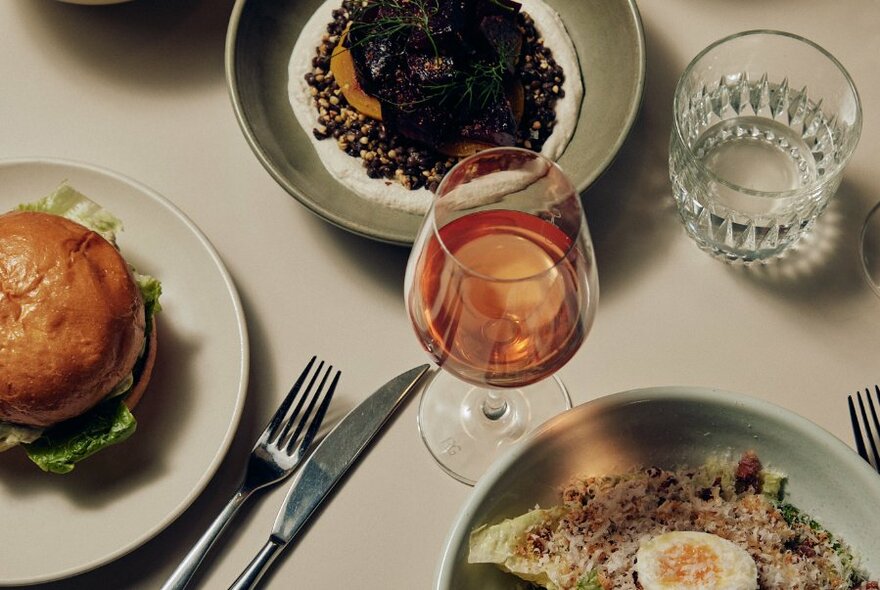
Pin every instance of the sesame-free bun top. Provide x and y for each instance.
(71, 318)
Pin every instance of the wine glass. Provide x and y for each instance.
(501, 288)
(870, 248)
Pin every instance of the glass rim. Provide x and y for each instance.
(852, 143)
(466, 268)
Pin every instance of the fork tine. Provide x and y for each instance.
(876, 426)
(857, 430)
(285, 430)
(869, 435)
(318, 419)
(286, 437)
(874, 411)
(272, 429)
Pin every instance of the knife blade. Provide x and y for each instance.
(326, 465)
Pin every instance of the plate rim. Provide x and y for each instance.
(635, 104)
(719, 397)
(244, 365)
(395, 238)
(401, 238)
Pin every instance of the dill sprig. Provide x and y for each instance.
(481, 83)
(400, 16)
(501, 4)
(478, 83)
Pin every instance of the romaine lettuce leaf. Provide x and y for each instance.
(717, 469)
(151, 290)
(12, 435)
(772, 484)
(500, 543)
(61, 446)
(589, 582)
(70, 203)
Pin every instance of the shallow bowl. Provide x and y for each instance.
(609, 41)
(668, 427)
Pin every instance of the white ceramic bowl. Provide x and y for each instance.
(669, 427)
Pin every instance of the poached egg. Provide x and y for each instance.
(689, 560)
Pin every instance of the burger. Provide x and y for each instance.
(77, 333)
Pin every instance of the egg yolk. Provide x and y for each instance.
(689, 563)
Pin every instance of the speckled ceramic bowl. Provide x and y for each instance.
(609, 42)
(668, 427)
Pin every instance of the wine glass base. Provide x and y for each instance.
(460, 435)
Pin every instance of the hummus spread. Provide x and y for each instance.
(349, 171)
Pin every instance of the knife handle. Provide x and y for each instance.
(258, 566)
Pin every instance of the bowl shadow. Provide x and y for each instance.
(157, 46)
(630, 209)
(822, 270)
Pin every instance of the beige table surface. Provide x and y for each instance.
(139, 88)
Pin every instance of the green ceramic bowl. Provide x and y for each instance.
(668, 427)
(610, 45)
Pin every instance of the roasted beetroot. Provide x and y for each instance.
(442, 69)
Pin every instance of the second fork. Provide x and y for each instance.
(869, 435)
(276, 454)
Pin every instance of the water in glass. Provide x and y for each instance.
(747, 175)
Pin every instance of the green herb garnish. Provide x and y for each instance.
(480, 82)
(401, 16)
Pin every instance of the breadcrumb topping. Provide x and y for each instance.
(607, 517)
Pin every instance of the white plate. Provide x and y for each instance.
(668, 427)
(121, 497)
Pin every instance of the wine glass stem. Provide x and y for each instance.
(494, 406)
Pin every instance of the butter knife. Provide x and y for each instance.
(326, 465)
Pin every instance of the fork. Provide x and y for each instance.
(870, 435)
(275, 456)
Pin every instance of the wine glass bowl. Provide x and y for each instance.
(501, 289)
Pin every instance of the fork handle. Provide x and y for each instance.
(254, 571)
(187, 568)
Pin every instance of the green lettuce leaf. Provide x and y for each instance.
(589, 582)
(151, 290)
(12, 435)
(500, 544)
(70, 203)
(772, 484)
(720, 469)
(63, 445)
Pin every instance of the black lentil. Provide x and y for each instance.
(384, 153)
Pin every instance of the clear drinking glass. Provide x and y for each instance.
(501, 288)
(764, 124)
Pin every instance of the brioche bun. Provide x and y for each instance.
(71, 319)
